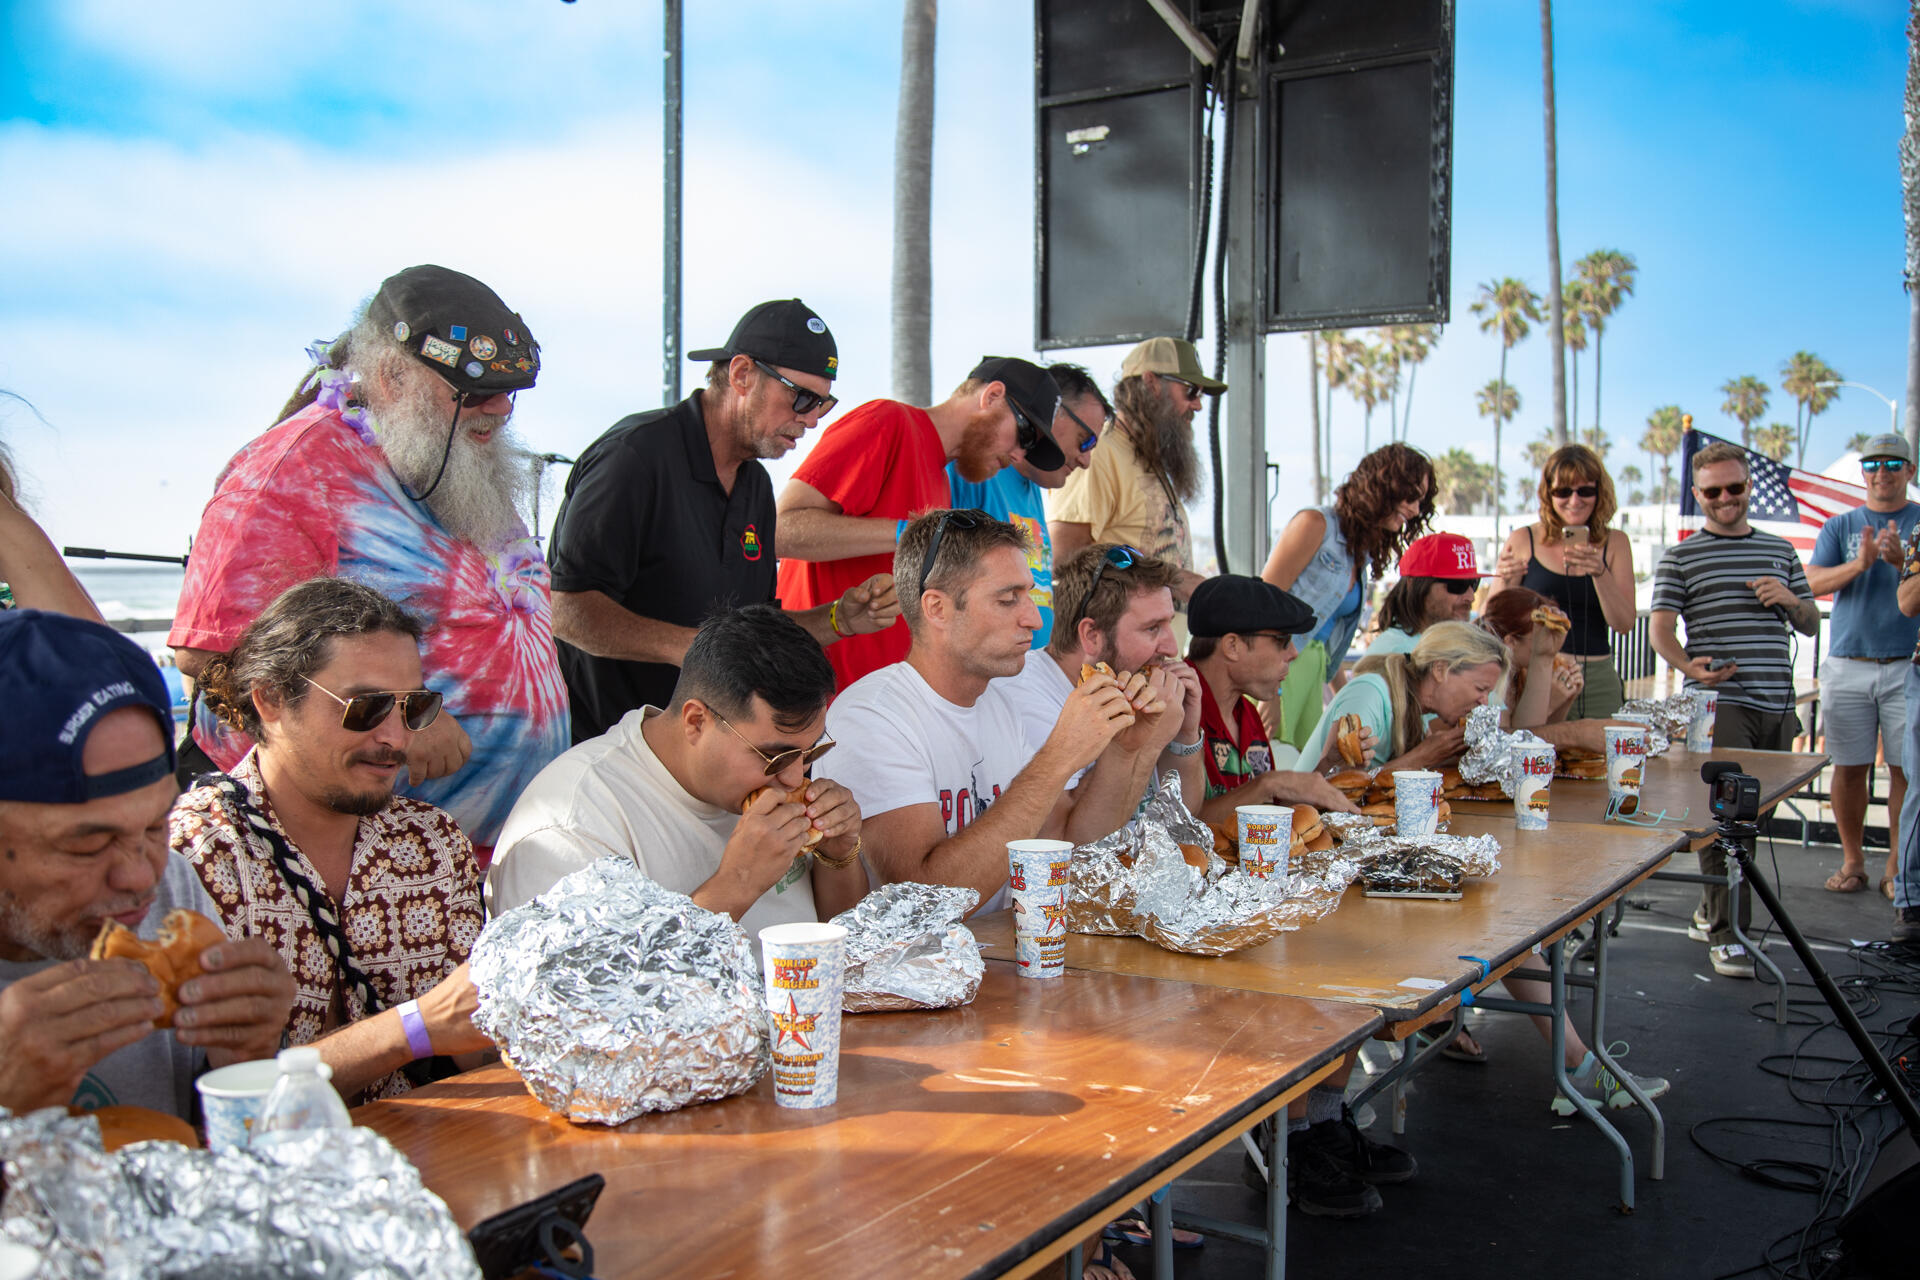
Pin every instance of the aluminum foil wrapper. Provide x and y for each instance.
(339, 1204)
(613, 996)
(906, 949)
(1137, 883)
(1475, 855)
(1667, 718)
(1493, 752)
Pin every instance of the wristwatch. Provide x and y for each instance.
(1187, 748)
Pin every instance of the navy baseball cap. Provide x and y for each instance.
(59, 677)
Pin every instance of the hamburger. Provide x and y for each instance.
(1347, 731)
(122, 1126)
(173, 957)
(1551, 618)
(1571, 762)
(1088, 670)
(796, 796)
(1351, 783)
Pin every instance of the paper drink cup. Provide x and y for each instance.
(1626, 753)
(1266, 837)
(1038, 872)
(231, 1100)
(1533, 787)
(1706, 703)
(805, 967)
(1416, 802)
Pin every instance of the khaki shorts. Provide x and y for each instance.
(1861, 703)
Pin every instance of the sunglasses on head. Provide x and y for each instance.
(804, 401)
(1119, 558)
(965, 518)
(1733, 490)
(1460, 586)
(365, 711)
(1193, 391)
(1872, 465)
(1566, 491)
(777, 763)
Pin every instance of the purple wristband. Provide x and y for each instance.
(416, 1028)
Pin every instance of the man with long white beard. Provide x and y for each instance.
(393, 465)
(1136, 489)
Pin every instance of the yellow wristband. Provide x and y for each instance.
(841, 863)
(833, 618)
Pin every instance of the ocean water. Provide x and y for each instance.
(133, 590)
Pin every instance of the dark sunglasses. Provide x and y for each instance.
(366, 711)
(1566, 491)
(1025, 434)
(473, 399)
(1733, 490)
(805, 755)
(1119, 558)
(1872, 465)
(1092, 437)
(804, 401)
(965, 518)
(1193, 391)
(1460, 586)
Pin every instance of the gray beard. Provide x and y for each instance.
(478, 498)
(1173, 449)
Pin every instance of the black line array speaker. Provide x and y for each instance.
(1355, 122)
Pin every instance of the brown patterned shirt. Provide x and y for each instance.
(411, 910)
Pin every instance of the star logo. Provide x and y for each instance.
(792, 1024)
(1056, 913)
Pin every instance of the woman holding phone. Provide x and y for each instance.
(1573, 559)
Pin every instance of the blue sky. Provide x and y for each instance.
(194, 191)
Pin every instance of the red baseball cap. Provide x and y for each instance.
(1440, 555)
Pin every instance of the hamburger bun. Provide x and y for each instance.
(1088, 670)
(173, 957)
(1306, 822)
(1381, 811)
(1352, 783)
(123, 1126)
(1195, 855)
(796, 796)
(1224, 843)
(1550, 618)
(1321, 843)
(1346, 734)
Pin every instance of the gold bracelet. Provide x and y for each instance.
(840, 863)
(833, 619)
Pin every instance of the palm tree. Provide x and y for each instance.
(1776, 440)
(913, 208)
(1539, 450)
(1628, 486)
(1313, 403)
(1505, 306)
(1461, 481)
(1609, 275)
(1373, 378)
(1576, 313)
(1342, 354)
(1596, 439)
(1858, 441)
(1808, 378)
(1409, 345)
(1661, 441)
(1500, 402)
(1556, 331)
(1746, 401)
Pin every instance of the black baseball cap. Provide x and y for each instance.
(59, 677)
(785, 333)
(1235, 604)
(459, 328)
(1033, 392)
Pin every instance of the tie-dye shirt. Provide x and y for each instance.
(315, 497)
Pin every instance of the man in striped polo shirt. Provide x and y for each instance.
(1739, 590)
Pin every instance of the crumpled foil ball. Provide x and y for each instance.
(1493, 754)
(613, 996)
(906, 949)
(335, 1204)
(1666, 718)
(1136, 883)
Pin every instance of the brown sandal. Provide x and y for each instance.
(1846, 882)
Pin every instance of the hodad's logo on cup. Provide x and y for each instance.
(1706, 705)
(1416, 802)
(1037, 875)
(804, 966)
(1533, 787)
(1626, 751)
(1266, 836)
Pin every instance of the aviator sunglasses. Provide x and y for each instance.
(364, 711)
(1734, 490)
(804, 401)
(776, 763)
(1872, 465)
(1565, 491)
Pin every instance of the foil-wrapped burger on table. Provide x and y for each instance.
(1139, 882)
(613, 996)
(906, 949)
(1666, 718)
(337, 1204)
(1493, 753)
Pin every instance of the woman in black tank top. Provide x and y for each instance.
(1590, 577)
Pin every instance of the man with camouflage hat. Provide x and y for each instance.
(669, 518)
(393, 465)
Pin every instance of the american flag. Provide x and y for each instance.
(1784, 500)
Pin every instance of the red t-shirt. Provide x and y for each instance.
(882, 459)
(1233, 758)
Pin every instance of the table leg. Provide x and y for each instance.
(1160, 1220)
(1411, 1062)
(1277, 1199)
(1557, 972)
(1076, 1265)
(1599, 1029)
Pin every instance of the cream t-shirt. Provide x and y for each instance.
(611, 796)
(1124, 502)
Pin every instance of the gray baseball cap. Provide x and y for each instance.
(1887, 446)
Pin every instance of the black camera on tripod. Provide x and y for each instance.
(1732, 796)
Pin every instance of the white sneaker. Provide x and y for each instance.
(1601, 1087)
(1697, 928)
(1731, 961)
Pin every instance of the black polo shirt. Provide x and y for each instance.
(646, 522)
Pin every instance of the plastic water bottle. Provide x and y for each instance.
(303, 1098)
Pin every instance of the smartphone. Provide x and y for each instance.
(1574, 535)
(537, 1232)
(1714, 664)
